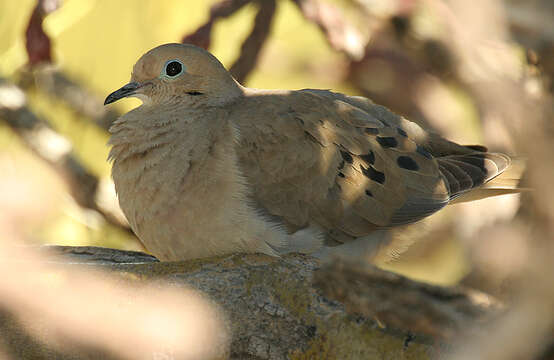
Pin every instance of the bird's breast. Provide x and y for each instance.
(182, 195)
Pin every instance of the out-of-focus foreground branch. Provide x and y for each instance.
(78, 313)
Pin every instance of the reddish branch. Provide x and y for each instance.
(37, 42)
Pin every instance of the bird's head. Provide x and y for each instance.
(179, 73)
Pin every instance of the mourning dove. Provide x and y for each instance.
(207, 167)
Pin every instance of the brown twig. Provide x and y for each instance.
(251, 47)
(202, 36)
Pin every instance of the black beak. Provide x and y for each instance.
(125, 91)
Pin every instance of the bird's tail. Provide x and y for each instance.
(508, 182)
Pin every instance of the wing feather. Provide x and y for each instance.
(347, 164)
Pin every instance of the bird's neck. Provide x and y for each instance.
(139, 133)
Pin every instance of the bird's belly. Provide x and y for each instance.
(194, 217)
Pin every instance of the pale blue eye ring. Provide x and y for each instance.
(173, 68)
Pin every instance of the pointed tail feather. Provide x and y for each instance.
(506, 182)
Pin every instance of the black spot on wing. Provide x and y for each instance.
(387, 141)
(368, 193)
(479, 148)
(407, 163)
(373, 174)
(401, 132)
(371, 131)
(368, 158)
(341, 175)
(423, 152)
(346, 156)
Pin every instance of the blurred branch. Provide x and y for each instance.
(401, 303)
(339, 33)
(225, 8)
(37, 42)
(251, 47)
(55, 84)
(54, 149)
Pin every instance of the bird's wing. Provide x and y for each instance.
(345, 163)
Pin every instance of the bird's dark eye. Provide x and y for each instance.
(173, 68)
